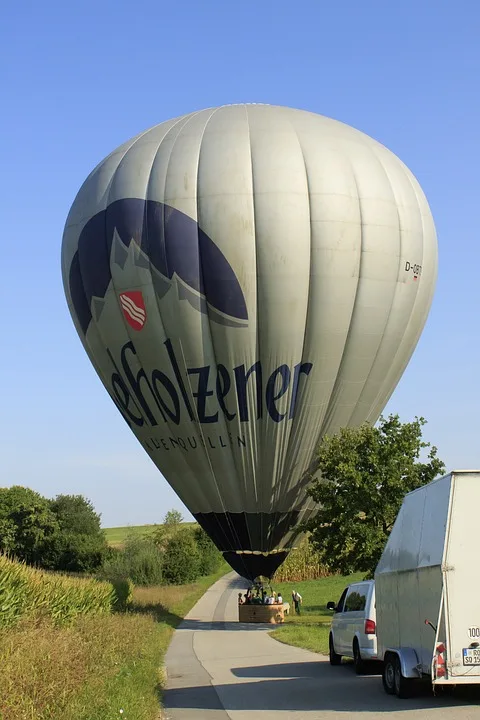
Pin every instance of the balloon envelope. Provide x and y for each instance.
(245, 280)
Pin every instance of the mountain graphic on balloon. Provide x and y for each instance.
(167, 243)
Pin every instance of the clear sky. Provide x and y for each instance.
(79, 78)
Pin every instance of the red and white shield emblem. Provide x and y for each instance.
(133, 308)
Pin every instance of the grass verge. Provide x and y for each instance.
(98, 666)
(310, 629)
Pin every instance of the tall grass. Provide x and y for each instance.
(96, 666)
(27, 592)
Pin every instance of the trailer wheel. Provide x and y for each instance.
(403, 685)
(334, 658)
(358, 663)
(388, 675)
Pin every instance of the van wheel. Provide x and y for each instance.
(358, 663)
(388, 675)
(334, 658)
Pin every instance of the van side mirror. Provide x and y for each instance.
(331, 606)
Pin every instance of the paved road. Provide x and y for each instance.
(219, 669)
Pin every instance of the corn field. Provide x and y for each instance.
(303, 563)
(26, 592)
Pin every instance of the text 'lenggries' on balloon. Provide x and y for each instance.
(147, 400)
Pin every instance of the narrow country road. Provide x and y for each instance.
(219, 669)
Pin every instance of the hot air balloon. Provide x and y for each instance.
(245, 280)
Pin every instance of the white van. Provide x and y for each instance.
(353, 630)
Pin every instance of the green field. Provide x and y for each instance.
(117, 536)
(310, 629)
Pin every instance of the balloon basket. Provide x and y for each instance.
(253, 613)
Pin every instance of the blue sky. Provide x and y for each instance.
(78, 79)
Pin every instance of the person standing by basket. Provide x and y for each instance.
(297, 601)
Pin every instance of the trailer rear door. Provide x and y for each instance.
(462, 578)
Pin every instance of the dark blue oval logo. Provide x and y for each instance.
(169, 244)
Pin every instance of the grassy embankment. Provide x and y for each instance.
(310, 629)
(95, 665)
(117, 536)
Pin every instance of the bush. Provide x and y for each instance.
(140, 561)
(25, 591)
(123, 588)
(210, 556)
(181, 561)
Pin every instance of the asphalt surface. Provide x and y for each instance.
(220, 669)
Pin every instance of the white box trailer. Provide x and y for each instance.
(428, 587)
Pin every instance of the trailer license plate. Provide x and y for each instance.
(471, 656)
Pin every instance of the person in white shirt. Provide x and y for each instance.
(297, 601)
(279, 599)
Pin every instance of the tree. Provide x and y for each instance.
(76, 514)
(173, 517)
(28, 527)
(364, 474)
(81, 543)
(171, 524)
